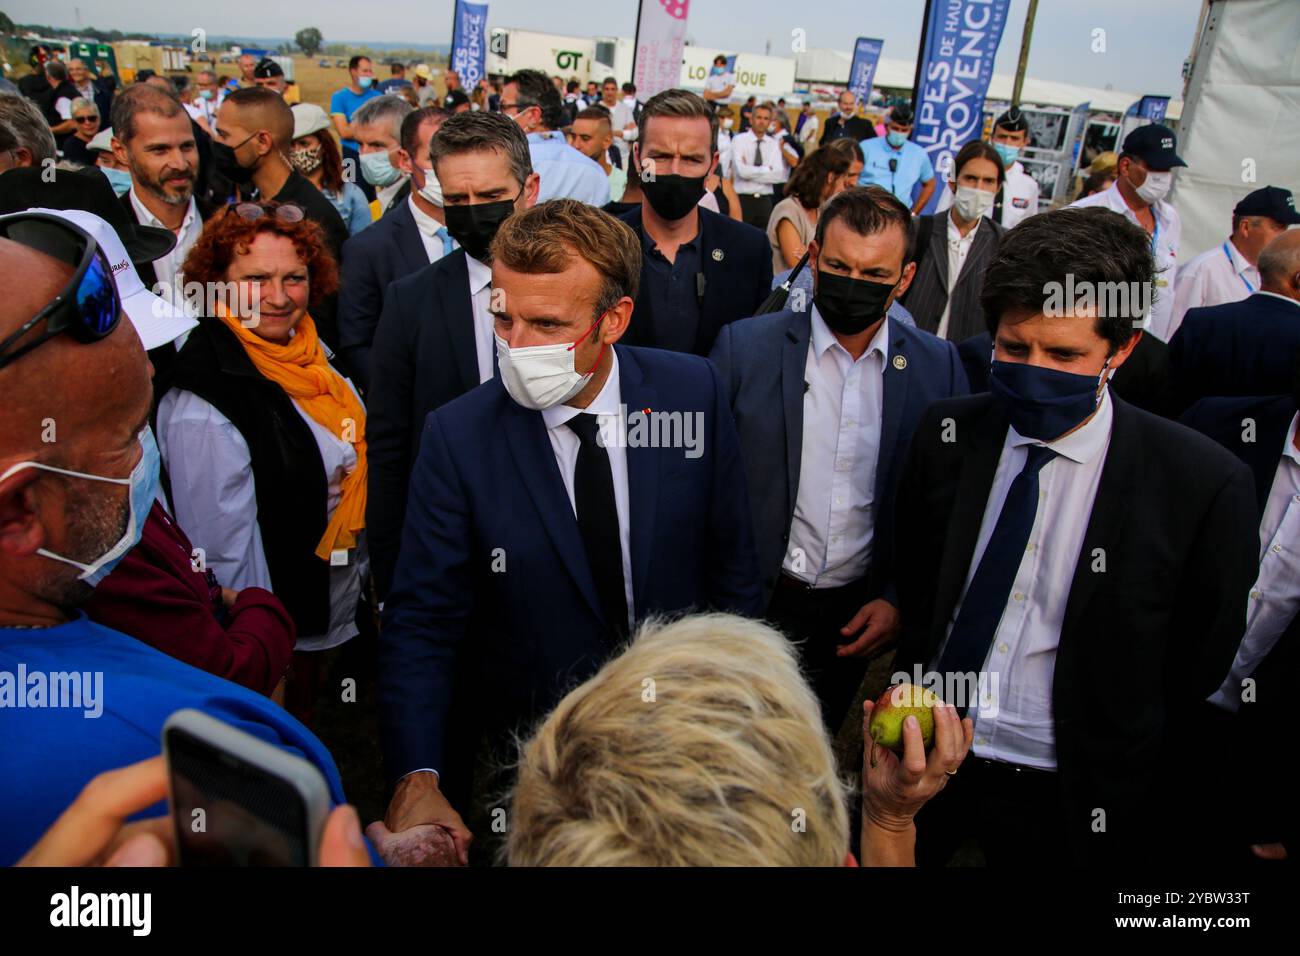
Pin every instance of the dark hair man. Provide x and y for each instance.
(1056, 535)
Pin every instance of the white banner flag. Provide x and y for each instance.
(660, 36)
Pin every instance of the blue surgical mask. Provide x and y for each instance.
(718, 70)
(1008, 154)
(377, 170)
(143, 481)
(365, 81)
(1044, 403)
(119, 179)
(895, 140)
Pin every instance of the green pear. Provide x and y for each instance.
(894, 706)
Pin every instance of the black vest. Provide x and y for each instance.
(288, 474)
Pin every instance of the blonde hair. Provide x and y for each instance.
(701, 744)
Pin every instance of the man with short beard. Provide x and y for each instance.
(153, 137)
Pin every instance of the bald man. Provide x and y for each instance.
(78, 472)
(1246, 347)
(254, 135)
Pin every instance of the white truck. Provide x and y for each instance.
(587, 58)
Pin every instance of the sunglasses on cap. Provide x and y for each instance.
(285, 212)
(89, 307)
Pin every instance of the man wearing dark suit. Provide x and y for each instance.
(825, 401)
(1262, 432)
(1072, 573)
(411, 235)
(955, 247)
(700, 270)
(1143, 379)
(1246, 347)
(545, 523)
(846, 124)
(434, 337)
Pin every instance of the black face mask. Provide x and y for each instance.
(474, 227)
(673, 196)
(848, 305)
(223, 158)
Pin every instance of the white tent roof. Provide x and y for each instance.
(825, 66)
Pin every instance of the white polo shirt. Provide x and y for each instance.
(1218, 275)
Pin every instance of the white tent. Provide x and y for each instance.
(831, 68)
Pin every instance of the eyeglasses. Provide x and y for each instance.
(89, 307)
(285, 212)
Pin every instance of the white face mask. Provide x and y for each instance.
(432, 189)
(1155, 187)
(971, 203)
(542, 376)
(726, 123)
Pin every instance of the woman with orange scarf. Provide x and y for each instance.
(263, 440)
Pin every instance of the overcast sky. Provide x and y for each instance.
(1146, 40)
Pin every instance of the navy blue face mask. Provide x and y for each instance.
(1044, 403)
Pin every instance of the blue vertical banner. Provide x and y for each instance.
(469, 43)
(961, 41)
(1153, 108)
(866, 55)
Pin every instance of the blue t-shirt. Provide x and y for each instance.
(913, 167)
(48, 753)
(346, 102)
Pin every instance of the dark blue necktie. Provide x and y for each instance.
(986, 598)
(593, 490)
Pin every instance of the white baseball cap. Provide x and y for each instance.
(101, 142)
(157, 320)
(308, 118)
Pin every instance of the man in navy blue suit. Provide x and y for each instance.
(412, 234)
(1246, 347)
(434, 338)
(699, 270)
(825, 401)
(551, 509)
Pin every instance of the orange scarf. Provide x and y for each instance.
(301, 369)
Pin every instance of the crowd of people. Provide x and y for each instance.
(610, 448)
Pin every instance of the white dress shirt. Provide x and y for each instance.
(1275, 598)
(753, 179)
(958, 249)
(1164, 246)
(428, 228)
(1218, 275)
(169, 265)
(832, 532)
(480, 295)
(565, 443)
(1013, 719)
(1019, 197)
(724, 154)
(215, 500)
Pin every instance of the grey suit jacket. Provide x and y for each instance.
(761, 362)
(928, 294)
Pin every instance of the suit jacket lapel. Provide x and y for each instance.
(794, 360)
(643, 463)
(458, 312)
(894, 400)
(531, 449)
(982, 440)
(939, 249)
(410, 243)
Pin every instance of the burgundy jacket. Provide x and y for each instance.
(156, 596)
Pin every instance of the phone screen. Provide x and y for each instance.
(229, 812)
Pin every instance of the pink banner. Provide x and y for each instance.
(660, 36)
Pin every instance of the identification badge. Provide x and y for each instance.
(339, 558)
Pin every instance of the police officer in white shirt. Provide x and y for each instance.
(1018, 196)
(1229, 272)
(1144, 177)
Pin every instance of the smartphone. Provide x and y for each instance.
(237, 800)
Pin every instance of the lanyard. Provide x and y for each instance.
(1244, 281)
